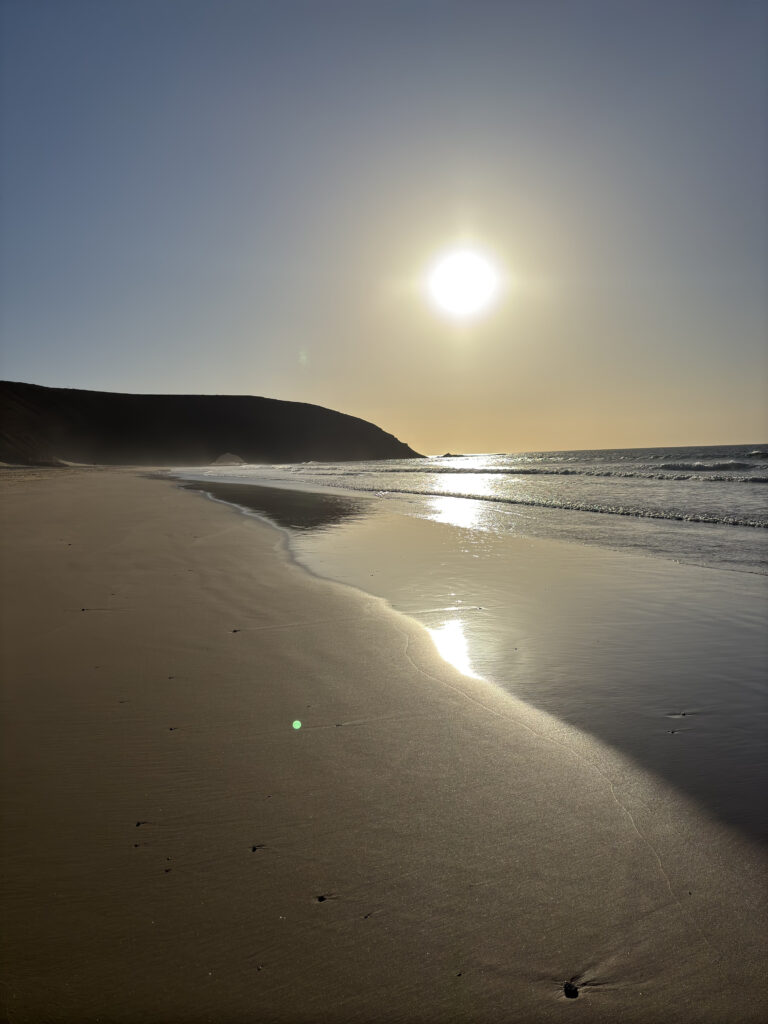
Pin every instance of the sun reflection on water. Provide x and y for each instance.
(452, 646)
(455, 511)
(476, 485)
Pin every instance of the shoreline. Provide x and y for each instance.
(425, 847)
(616, 500)
(664, 662)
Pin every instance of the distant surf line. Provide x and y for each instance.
(636, 513)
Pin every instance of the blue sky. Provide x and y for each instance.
(243, 196)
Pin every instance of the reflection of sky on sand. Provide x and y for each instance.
(452, 646)
(612, 643)
(615, 645)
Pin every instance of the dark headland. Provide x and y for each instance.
(47, 426)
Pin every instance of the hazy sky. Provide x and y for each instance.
(244, 196)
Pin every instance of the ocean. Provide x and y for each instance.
(623, 591)
(704, 505)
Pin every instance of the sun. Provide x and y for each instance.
(463, 283)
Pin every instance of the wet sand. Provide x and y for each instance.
(423, 848)
(665, 662)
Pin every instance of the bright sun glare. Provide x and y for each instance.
(463, 283)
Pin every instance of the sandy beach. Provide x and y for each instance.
(235, 792)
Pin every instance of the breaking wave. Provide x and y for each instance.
(672, 472)
(706, 467)
(582, 506)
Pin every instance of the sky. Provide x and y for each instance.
(245, 197)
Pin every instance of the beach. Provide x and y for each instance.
(234, 791)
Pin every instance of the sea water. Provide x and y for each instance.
(624, 591)
(705, 505)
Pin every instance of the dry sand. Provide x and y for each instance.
(423, 848)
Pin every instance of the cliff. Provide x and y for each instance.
(40, 425)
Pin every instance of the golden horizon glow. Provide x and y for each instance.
(463, 283)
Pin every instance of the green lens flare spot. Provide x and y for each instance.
(297, 724)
